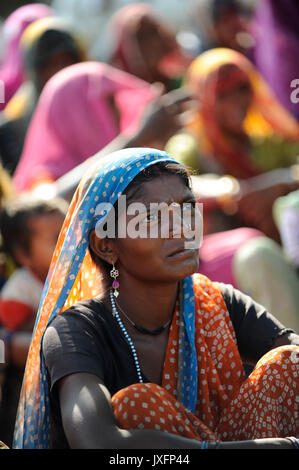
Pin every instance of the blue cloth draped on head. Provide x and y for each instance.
(104, 183)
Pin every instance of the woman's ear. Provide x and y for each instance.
(103, 248)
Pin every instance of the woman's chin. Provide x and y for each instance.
(184, 266)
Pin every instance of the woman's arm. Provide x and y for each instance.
(89, 423)
(162, 118)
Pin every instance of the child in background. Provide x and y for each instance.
(29, 228)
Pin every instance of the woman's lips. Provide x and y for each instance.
(182, 252)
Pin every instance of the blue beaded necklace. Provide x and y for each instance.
(127, 336)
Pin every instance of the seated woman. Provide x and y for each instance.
(48, 46)
(240, 129)
(146, 46)
(80, 110)
(133, 343)
(12, 66)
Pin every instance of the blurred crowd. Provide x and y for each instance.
(207, 80)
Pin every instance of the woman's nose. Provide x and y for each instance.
(178, 224)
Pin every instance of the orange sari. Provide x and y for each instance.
(265, 116)
(229, 408)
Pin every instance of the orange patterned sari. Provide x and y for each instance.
(228, 408)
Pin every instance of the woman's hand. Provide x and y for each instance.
(255, 208)
(163, 118)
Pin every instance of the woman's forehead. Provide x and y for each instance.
(163, 188)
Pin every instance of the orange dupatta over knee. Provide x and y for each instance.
(228, 407)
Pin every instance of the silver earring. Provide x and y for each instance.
(115, 284)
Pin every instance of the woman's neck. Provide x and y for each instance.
(149, 305)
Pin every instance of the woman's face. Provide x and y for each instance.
(165, 257)
(233, 97)
(54, 65)
(154, 42)
(232, 30)
(44, 230)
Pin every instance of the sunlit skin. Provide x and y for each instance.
(149, 274)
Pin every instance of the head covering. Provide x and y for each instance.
(46, 38)
(126, 53)
(265, 115)
(41, 41)
(73, 277)
(73, 119)
(12, 68)
(276, 29)
(6, 187)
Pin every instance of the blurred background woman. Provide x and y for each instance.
(81, 109)
(146, 46)
(12, 67)
(48, 45)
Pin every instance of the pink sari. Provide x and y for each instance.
(218, 250)
(73, 119)
(12, 69)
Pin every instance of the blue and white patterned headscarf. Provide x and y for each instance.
(68, 282)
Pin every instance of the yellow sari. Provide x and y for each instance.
(266, 119)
